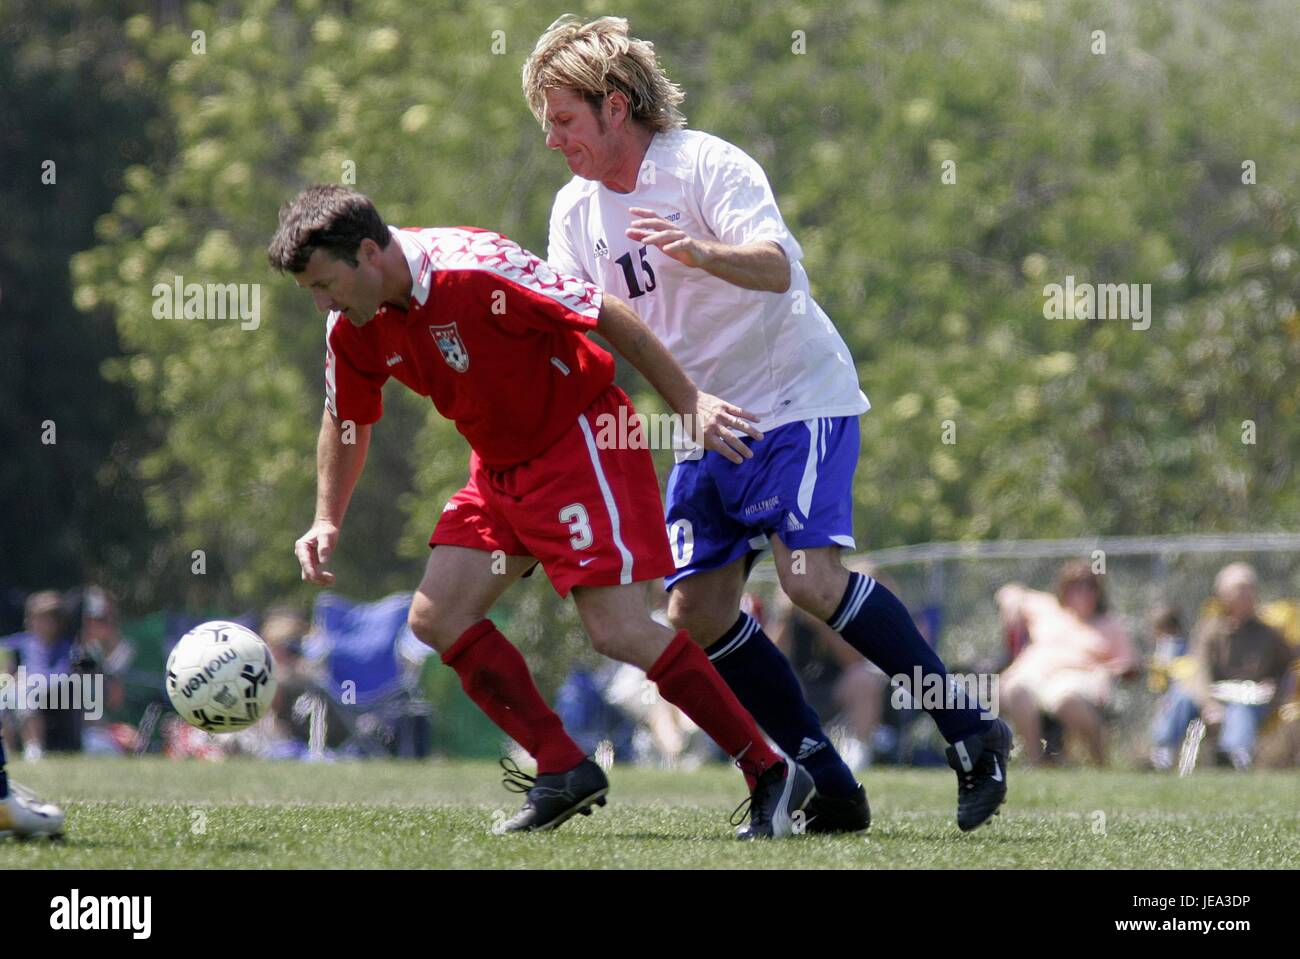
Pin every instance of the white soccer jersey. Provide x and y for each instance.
(775, 354)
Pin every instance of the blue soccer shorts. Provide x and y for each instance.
(798, 485)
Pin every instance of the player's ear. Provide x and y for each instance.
(619, 108)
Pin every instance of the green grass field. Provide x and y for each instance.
(153, 813)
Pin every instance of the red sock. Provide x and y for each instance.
(494, 675)
(687, 679)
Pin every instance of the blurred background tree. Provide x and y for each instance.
(79, 105)
(1159, 151)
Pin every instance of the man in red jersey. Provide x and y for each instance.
(496, 339)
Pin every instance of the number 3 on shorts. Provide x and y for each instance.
(575, 514)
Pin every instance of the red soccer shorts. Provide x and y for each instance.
(590, 516)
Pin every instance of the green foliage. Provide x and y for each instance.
(1122, 167)
(74, 98)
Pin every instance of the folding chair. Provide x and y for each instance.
(369, 688)
(1245, 692)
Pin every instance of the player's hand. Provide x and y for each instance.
(652, 229)
(314, 549)
(714, 421)
(1212, 712)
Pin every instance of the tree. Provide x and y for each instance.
(943, 164)
(77, 111)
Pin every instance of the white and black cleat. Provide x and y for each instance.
(24, 816)
(776, 804)
(980, 762)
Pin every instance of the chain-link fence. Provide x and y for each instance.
(958, 580)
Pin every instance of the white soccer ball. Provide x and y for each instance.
(220, 677)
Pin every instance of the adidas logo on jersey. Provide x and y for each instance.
(792, 523)
(601, 248)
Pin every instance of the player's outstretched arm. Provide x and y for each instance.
(754, 266)
(340, 457)
(712, 419)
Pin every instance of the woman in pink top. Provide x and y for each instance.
(1075, 651)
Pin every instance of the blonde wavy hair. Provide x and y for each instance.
(596, 59)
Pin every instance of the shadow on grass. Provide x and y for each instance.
(671, 837)
(78, 843)
(953, 837)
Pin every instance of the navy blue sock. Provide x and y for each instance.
(764, 682)
(4, 780)
(877, 625)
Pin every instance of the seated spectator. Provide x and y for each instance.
(47, 649)
(616, 704)
(1279, 748)
(1168, 647)
(607, 704)
(1167, 630)
(104, 650)
(300, 707)
(284, 631)
(1075, 651)
(1229, 646)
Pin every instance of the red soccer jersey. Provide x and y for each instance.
(492, 335)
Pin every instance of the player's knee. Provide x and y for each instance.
(430, 628)
(815, 595)
(421, 622)
(706, 622)
(705, 629)
(611, 641)
(605, 643)
(634, 641)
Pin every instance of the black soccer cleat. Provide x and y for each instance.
(829, 814)
(776, 803)
(552, 798)
(981, 765)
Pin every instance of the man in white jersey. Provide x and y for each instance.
(685, 228)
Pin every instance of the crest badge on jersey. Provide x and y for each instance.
(452, 346)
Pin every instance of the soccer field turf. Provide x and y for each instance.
(241, 814)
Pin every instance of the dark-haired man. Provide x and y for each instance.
(496, 339)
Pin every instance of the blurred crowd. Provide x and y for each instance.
(78, 633)
(1233, 677)
(353, 681)
(66, 634)
(1223, 693)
